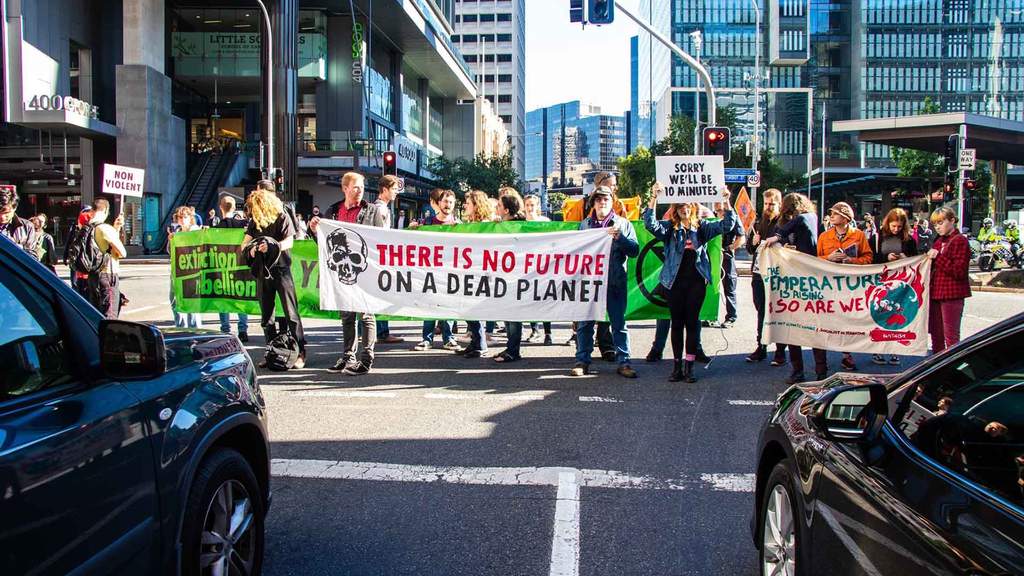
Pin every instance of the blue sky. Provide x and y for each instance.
(565, 63)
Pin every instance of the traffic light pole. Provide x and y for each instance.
(702, 72)
(961, 178)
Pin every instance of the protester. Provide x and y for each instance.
(624, 246)
(925, 236)
(212, 218)
(104, 285)
(17, 229)
(269, 226)
(510, 208)
(45, 250)
(843, 243)
(869, 228)
(605, 342)
(355, 210)
(443, 203)
(798, 229)
(79, 279)
(183, 221)
(389, 190)
(316, 211)
(731, 240)
(950, 285)
(687, 271)
(400, 223)
(475, 208)
(892, 243)
(231, 218)
(764, 228)
(533, 214)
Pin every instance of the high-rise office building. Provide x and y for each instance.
(592, 141)
(492, 37)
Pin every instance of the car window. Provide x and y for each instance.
(31, 344)
(969, 416)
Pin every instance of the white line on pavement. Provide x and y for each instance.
(600, 399)
(504, 397)
(565, 543)
(752, 402)
(729, 482)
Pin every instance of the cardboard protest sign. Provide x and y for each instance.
(123, 180)
(877, 309)
(689, 178)
(745, 209)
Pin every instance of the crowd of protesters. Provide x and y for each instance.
(790, 220)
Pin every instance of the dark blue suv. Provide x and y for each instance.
(123, 449)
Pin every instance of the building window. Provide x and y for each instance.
(486, 17)
(436, 123)
(469, 58)
(455, 38)
(487, 37)
(469, 38)
(504, 98)
(412, 109)
(469, 18)
(506, 118)
(504, 57)
(504, 77)
(504, 37)
(504, 17)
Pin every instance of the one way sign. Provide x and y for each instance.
(968, 158)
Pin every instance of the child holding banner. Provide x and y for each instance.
(687, 271)
(950, 285)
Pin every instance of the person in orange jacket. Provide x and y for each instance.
(843, 243)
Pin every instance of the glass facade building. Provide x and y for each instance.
(592, 141)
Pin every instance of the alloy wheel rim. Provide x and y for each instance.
(227, 546)
(779, 535)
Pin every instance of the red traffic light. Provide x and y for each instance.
(389, 157)
(713, 136)
(390, 163)
(970, 184)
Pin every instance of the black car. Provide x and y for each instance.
(918, 473)
(123, 450)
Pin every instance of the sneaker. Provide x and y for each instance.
(472, 353)
(581, 370)
(729, 322)
(357, 369)
(894, 360)
(548, 341)
(341, 364)
(300, 362)
(451, 345)
(705, 323)
(778, 361)
(423, 346)
(243, 336)
(626, 371)
(848, 364)
(391, 339)
(535, 336)
(878, 359)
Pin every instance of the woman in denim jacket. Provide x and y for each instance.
(686, 272)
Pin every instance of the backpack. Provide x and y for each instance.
(282, 352)
(84, 254)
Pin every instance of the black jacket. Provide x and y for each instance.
(909, 248)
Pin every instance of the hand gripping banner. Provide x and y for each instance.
(877, 309)
(513, 277)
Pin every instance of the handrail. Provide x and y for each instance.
(184, 192)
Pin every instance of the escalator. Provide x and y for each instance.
(211, 171)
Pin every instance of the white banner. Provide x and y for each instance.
(512, 277)
(877, 309)
(689, 178)
(123, 180)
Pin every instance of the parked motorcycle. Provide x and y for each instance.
(999, 252)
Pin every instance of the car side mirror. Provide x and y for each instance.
(851, 413)
(131, 351)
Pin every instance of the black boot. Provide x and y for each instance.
(688, 374)
(677, 371)
(759, 354)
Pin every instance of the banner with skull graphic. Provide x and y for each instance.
(878, 309)
(512, 277)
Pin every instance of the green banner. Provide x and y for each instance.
(209, 274)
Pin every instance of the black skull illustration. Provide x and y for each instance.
(346, 255)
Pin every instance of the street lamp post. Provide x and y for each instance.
(756, 156)
(270, 90)
(698, 42)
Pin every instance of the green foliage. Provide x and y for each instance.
(555, 201)
(636, 173)
(487, 173)
(929, 166)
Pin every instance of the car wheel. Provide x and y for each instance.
(222, 532)
(780, 525)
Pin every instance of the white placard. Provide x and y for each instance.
(690, 178)
(123, 180)
(968, 157)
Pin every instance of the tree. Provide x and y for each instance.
(928, 166)
(487, 173)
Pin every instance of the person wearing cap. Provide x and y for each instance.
(268, 219)
(843, 243)
(686, 272)
(624, 246)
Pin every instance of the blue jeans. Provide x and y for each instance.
(514, 335)
(383, 329)
(184, 320)
(491, 325)
(661, 335)
(478, 340)
(446, 330)
(620, 335)
(225, 323)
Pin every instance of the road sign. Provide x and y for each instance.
(754, 180)
(738, 175)
(968, 158)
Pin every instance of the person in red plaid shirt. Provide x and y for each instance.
(951, 255)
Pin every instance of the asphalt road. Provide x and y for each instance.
(433, 464)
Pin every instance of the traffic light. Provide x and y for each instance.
(949, 188)
(970, 185)
(576, 11)
(717, 142)
(953, 153)
(390, 163)
(601, 11)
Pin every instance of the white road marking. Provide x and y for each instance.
(565, 543)
(143, 309)
(729, 482)
(564, 377)
(346, 393)
(503, 397)
(600, 399)
(752, 402)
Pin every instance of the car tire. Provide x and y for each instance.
(778, 502)
(210, 533)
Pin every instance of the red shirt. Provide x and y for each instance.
(949, 268)
(349, 214)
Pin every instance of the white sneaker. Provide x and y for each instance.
(451, 345)
(425, 345)
(465, 339)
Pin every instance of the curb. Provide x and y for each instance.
(997, 289)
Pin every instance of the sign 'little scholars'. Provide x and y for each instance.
(687, 179)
